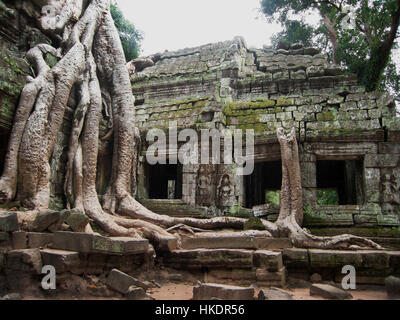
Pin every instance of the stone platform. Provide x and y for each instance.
(227, 259)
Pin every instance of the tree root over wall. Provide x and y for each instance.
(91, 59)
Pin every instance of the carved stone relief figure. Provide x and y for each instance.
(205, 191)
(226, 194)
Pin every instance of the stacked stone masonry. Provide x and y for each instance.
(229, 86)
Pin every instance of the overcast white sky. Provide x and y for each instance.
(177, 24)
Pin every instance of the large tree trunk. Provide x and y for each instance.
(92, 61)
(291, 212)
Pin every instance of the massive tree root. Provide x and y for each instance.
(291, 213)
(92, 62)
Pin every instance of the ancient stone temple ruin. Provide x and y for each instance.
(349, 158)
(349, 138)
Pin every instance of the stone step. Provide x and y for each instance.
(237, 264)
(372, 266)
(250, 276)
(223, 258)
(235, 242)
(90, 243)
(8, 221)
(31, 240)
(61, 260)
(208, 291)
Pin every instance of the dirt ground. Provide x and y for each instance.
(185, 292)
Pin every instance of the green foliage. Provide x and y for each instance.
(295, 31)
(130, 37)
(364, 48)
(273, 197)
(327, 198)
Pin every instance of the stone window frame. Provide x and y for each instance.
(317, 151)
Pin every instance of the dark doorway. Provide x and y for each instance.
(165, 181)
(264, 184)
(340, 182)
(4, 137)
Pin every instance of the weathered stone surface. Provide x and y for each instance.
(316, 278)
(272, 278)
(77, 220)
(28, 260)
(208, 291)
(393, 286)
(274, 243)
(2, 261)
(19, 240)
(332, 258)
(295, 258)
(271, 261)
(89, 243)
(274, 294)
(4, 236)
(39, 240)
(315, 219)
(49, 219)
(375, 259)
(135, 293)
(8, 221)
(121, 282)
(62, 261)
(220, 243)
(329, 292)
(209, 258)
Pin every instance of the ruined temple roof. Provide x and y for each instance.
(226, 84)
(234, 55)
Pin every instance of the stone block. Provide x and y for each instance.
(273, 243)
(8, 221)
(4, 236)
(372, 183)
(389, 148)
(296, 258)
(19, 240)
(388, 220)
(270, 260)
(381, 161)
(39, 240)
(274, 294)
(77, 220)
(334, 259)
(329, 292)
(135, 293)
(271, 278)
(62, 261)
(209, 291)
(48, 220)
(393, 286)
(209, 258)
(89, 243)
(394, 261)
(314, 219)
(376, 260)
(222, 242)
(26, 260)
(121, 282)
